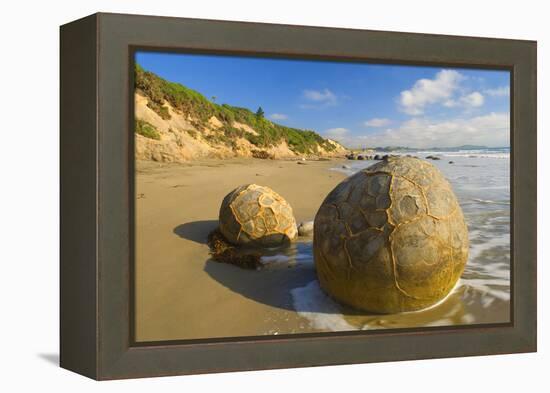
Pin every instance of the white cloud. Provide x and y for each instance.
(377, 122)
(337, 133)
(430, 91)
(503, 91)
(278, 116)
(474, 99)
(324, 96)
(491, 130)
(467, 101)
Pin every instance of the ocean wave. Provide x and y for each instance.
(488, 201)
(469, 153)
(479, 244)
(489, 294)
(484, 272)
(478, 155)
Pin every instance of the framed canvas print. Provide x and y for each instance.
(240, 196)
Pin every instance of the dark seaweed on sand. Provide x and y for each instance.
(223, 251)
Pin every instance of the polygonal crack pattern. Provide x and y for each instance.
(401, 216)
(257, 214)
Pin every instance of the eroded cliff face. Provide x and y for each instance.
(178, 138)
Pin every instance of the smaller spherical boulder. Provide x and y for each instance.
(254, 215)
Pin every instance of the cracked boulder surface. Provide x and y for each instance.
(253, 215)
(391, 238)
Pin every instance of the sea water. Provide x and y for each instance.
(481, 182)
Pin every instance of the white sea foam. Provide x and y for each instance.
(468, 318)
(478, 246)
(321, 311)
(292, 257)
(488, 293)
(271, 259)
(478, 155)
(439, 322)
(304, 257)
(479, 282)
(500, 154)
(488, 201)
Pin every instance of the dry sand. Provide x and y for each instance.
(180, 294)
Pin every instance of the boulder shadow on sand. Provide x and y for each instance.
(270, 287)
(196, 231)
(293, 288)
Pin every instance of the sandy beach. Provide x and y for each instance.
(182, 294)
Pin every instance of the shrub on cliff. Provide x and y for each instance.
(147, 130)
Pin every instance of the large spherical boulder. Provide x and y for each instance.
(391, 238)
(257, 216)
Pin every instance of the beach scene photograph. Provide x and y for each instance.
(286, 196)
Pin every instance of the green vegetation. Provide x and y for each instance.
(201, 109)
(260, 113)
(147, 130)
(161, 110)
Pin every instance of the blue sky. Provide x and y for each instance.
(356, 103)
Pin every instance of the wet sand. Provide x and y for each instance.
(180, 293)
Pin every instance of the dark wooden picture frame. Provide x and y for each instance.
(97, 196)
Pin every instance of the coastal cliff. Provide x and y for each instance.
(176, 124)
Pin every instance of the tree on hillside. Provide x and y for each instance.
(260, 113)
